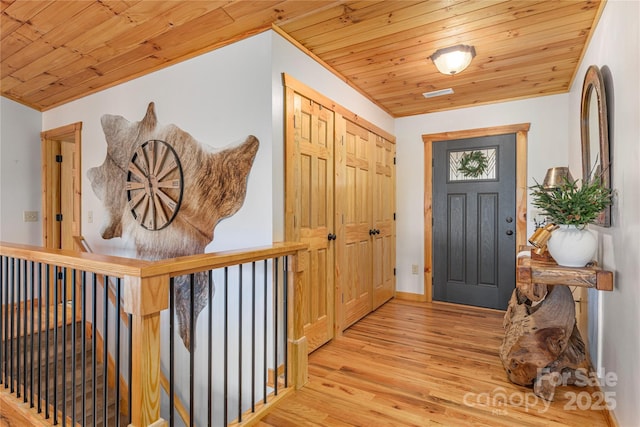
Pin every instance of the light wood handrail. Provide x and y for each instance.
(119, 266)
(210, 261)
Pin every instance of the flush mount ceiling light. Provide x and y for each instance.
(454, 59)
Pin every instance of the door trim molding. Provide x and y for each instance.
(70, 133)
(521, 130)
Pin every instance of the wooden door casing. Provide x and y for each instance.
(312, 221)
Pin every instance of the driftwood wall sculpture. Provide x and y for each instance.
(165, 191)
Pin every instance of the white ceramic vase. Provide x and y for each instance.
(572, 246)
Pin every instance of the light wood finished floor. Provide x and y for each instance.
(418, 364)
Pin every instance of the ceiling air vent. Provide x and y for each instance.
(440, 92)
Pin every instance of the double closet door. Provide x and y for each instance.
(340, 200)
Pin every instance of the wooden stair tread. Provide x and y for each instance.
(64, 312)
(48, 356)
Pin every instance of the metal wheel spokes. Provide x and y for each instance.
(154, 184)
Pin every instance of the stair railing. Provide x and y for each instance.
(144, 288)
(83, 246)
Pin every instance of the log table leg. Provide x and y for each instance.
(542, 345)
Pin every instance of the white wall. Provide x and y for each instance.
(547, 147)
(19, 173)
(615, 47)
(219, 98)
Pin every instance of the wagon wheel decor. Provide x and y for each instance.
(154, 184)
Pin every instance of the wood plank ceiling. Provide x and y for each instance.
(53, 52)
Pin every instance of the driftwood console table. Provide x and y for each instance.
(542, 345)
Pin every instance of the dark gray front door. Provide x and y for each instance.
(474, 222)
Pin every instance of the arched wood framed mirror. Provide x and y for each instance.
(594, 131)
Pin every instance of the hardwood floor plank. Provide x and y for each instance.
(423, 364)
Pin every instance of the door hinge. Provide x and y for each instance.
(59, 217)
(433, 163)
(394, 216)
(394, 271)
(58, 158)
(394, 160)
(433, 221)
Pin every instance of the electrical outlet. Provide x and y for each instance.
(30, 216)
(414, 269)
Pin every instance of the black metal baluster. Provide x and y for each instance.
(226, 347)
(275, 329)
(94, 332)
(83, 326)
(240, 343)
(264, 338)
(192, 338)
(210, 350)
(172, 313)
(130, 317)
(105, 350)
(74, 344)
(47, 307)
(25, 367)
(40, 337)
(33, 331)
(285, 307)
(253, 337)
(117, 341)
(18, 307)
(55, 346)
(12, 295)
(63, 305)
(3, 315)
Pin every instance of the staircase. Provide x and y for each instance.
(71, 382)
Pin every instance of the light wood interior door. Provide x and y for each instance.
(354, 249)
(67, 199)
(313, 210)
(61, 186)
(384, 238)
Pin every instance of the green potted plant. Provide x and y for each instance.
(571, 207)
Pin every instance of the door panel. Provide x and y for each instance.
(473, 229)
(357, 222)
(384, 253)
(67, 186)
(313, 127)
